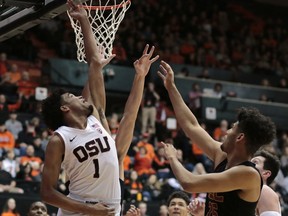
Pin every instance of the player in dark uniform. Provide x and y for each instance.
(235, 187)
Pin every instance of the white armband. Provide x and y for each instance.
(270, 213)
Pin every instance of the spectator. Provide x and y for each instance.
(113, 124)
(184, 72)
(145, 142)
(200, 157)
(284, 160)
(14, 125)
(217, 90)
(204, 74)
(265, 82)
(27, 136)
(7, 141)
(8, 88)
(38, 150)
(151, 188)
(26, 91)
(4, 108)
(14, 74)
(143, 163)
(194, 102)
(45, 136)
(3, 64)
(25, 173)
(163, 210)
(176, 57)
(283, 83)
(127, 163)
(161, 165)
(133, 187)
(121, 56)
(34, 161)
(143, 208)
(150, 98)
(220, 131)
(188, 165)
(9, 208)
(8, 184)
(163, 112)
(263, 98)
(10, 164)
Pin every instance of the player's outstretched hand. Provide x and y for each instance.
(166, 74)
(143, 64)
(169, 150)
(76, 11)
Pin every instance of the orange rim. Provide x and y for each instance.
(106, 7)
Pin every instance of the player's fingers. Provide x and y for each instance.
(154, 59)
(101, 48)
(161, 75)
(163, 69)
(144, 56)
(146, 49)
(164, 144)
(151, 51)
(111, 211)
(71, 4)
(111, 57)
(165, 65)
(136, 62)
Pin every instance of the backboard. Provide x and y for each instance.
(16, 16)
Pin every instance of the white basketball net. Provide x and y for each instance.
(105, 17)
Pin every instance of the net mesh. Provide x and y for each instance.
(105, 17)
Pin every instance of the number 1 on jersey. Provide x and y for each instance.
(96, 164)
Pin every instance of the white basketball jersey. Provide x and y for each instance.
(91, 165)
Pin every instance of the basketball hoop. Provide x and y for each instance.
(105, 17)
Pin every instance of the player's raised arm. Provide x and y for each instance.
(94, 89)
(127, 123)
(186, 118)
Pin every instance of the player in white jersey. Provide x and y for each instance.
(89, 149)
(268, 166)
(90, 157)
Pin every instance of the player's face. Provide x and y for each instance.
(38, 209)
(230, 138)
(177, 206)
(77, 104)
(259, 163)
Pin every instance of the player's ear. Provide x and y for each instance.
(267, 173)
(64, 108)
(240, 136)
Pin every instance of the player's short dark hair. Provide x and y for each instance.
(259, 130)
(180, 195)
(271, 163)
(51, 112)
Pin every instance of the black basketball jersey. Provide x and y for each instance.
(229, 203)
